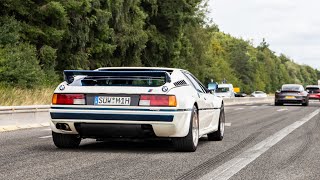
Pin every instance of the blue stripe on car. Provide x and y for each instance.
(119, 109)
(124, 117)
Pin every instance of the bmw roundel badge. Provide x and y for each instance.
(62, 87)
(164, 88)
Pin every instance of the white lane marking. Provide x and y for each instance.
(227, 124)
(279, 110)
(238, 109)
(254, 106)
(233, 166)
(44, 137)
(45, 129)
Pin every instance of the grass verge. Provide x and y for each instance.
(12, 96)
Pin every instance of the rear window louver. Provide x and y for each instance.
(180, 83)
(119, 78)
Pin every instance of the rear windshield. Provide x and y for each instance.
(259, 92)
(290, 88)
(222, 90)
(313, 89)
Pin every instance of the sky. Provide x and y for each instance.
(291, 27)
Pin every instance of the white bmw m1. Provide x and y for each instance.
(135, 102)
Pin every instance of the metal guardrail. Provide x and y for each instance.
(244, 100)
(11, 120)
(12, 117)
(24, 109)
(45, 108)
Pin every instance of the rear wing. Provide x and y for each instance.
(117, 75)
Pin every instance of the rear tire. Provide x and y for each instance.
(218, 135)
(278, 104)
(65, 140)
(306, 103)
(190, 142)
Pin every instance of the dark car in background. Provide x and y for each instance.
(314, 91)
(292, 94)
(240, 94)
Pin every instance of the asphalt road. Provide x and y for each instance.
(30, 154)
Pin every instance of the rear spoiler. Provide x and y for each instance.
(124, 75)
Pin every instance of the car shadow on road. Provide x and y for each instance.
(313, 104)
(132, 146)
(128, 146)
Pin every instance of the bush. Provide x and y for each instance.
(47, 57)
(10, 30)
(19, 66)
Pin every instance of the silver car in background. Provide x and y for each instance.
(292, 94)
(259, 94)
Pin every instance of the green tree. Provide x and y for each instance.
(19, 66)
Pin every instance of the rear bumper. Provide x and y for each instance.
(99, 121)
(297, 100)
(314, 96)
(110, 116)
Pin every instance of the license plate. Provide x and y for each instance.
(290, 97)
(107, 100)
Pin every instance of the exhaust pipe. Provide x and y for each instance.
(63, 126)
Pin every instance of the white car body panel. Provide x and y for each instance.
(259, 94)
(228, 94)
(208, 106)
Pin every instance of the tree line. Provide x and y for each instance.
(39, 39)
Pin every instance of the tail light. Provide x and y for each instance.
(68, 99)
(157, 100)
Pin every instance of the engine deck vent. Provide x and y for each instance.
(180, 83)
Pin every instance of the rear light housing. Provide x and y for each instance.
(69, 99)
(158, 100)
